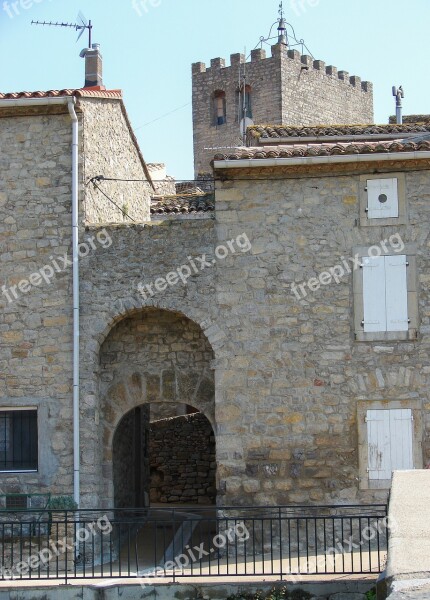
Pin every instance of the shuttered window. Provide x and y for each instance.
(383, 199)
(390, 442)
(385, 293)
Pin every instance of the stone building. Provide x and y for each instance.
(260, 310)
(284, 88)
(335, 305)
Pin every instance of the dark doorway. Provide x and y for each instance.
(131, 460)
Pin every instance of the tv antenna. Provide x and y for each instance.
(81, 26)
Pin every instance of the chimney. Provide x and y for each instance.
(93, 66)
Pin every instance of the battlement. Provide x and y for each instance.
(306, 63)
(282, 86)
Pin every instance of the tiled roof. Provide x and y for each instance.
(182, 204)
(90, 92)
(261, 132)
(326, 149)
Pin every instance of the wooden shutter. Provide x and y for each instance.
(375, 318)
(378, 436)
(390, 442)
(401, 439)
(378, 189)
(396, 293)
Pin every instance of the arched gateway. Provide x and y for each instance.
(155, 361)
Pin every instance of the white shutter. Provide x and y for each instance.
(383, 198)
(401, 439)
(375, 318)
(396, 293)
(378, 436)
(390, 442)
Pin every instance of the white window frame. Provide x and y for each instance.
(410, 251)
(401, 219)
(363, 443)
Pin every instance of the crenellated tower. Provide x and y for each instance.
(288, 88)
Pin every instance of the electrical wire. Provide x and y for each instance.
(163, 116)
(100, 178)
(110, 200)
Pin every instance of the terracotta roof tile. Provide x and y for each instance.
(90, 92)
(182, 204)
(261, 132)
(326, 149)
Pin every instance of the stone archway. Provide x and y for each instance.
(152, 356)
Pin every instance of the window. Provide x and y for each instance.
(245, 103)
(219, 108)
(385, 295)
(18, 440)
(383, 200)
(390, 439)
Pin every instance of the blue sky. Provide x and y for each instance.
(148, 49)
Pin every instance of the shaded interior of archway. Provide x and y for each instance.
(164, 460)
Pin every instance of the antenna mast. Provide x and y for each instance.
(82, 26)
(244, 102)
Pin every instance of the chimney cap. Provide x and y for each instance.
(94, 48)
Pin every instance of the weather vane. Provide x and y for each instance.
(82, 26)
(281, 10)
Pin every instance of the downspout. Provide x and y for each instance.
(75, 255)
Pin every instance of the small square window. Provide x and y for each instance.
(382, 200)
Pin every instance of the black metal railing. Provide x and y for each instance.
(190, 542)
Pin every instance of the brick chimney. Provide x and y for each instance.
(93, 66)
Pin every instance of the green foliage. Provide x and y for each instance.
(277, 593)
(62, 503)
(371, 594)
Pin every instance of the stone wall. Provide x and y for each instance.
(287, 88)
(182, 459)
(36, 313)
(36, 320)
(297, 373)
(110, 150)
(411, 119)
(279, 379)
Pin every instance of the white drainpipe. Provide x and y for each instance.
(75, 254)
(70, 102)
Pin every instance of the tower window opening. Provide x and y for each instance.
(220, 108)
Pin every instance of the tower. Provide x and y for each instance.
(285, 88)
